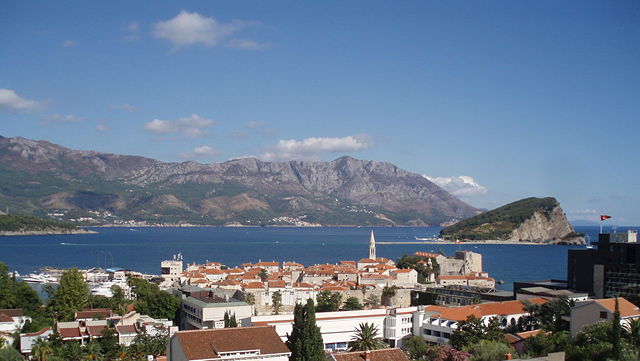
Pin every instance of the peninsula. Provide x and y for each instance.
(18, 225)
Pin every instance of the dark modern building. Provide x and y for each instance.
(611, 269)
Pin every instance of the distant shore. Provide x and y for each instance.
(46, 232)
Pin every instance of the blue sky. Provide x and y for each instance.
(494, 100)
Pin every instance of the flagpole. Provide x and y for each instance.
(601, 220)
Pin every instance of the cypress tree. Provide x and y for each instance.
(305, 340)
(294, 340)
(232, 320)
(313, 344)
(617, 331)
(226, 319)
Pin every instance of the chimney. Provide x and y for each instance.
(508, 356)
(367, 355)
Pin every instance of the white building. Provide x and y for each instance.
(593, 311)
(437, 323)
(171, 270)
(203, 309)
(12, 320)
(337, 328)
(27, 340)
(244, 343)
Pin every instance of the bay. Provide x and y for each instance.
(142, 249)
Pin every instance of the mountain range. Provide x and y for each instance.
(88, 187)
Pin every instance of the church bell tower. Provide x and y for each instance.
(372, 246)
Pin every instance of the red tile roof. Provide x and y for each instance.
(126, 329)
(69, 332)
(12, 312)
(627, 309)
(38, 333)
(390, 354)
(93, 313)
(277, 284)
(96, 331)
(426, 254)
(483, 309)
(206, 344)
(253, 285)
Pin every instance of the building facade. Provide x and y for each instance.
(610, 270)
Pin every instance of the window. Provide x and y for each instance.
(603, 315)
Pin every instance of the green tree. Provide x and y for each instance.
(41, 350)
(468, 332)
(328, 301)
(10, 354)
(93, 351)
(616, 330)
(109, 344)
(372, 301)
(633, 333)
(150, 300)
(545, 343)
(250, 298)
(264, 276)
(17, 294)
(365, 338)
(488, 350)
(71, 296)
(592, 343)
(305, 340)
(389, 291)
(230, 319)
(276, 302)
(549, 315)
(415, 347)
(352, 303)
(144, 344)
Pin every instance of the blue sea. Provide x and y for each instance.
(142, 249)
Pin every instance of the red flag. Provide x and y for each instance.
(603, 217)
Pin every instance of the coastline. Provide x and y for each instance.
(524, 243)
(45, 233)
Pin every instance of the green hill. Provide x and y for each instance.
(17, 223)
(498, 224)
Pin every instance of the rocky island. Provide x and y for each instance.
(17, 225)
(539, 220)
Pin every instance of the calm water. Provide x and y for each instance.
(142, 249)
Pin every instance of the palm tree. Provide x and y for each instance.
(633, 330)
(41, 350)
(365, 338)
(93, 351)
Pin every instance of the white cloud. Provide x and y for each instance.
(193, 126)
(125, 106)
(102, 128)
(9, 100)
(158, 126)
(191, 28)
(69, 43)
(200, 152)
(312, 148)
(462, 186)
(60, 118)
(246, 44)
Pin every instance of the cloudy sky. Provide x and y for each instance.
(494, 101)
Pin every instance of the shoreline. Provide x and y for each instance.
(45, 233)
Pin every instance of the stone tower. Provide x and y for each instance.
(372, 246)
